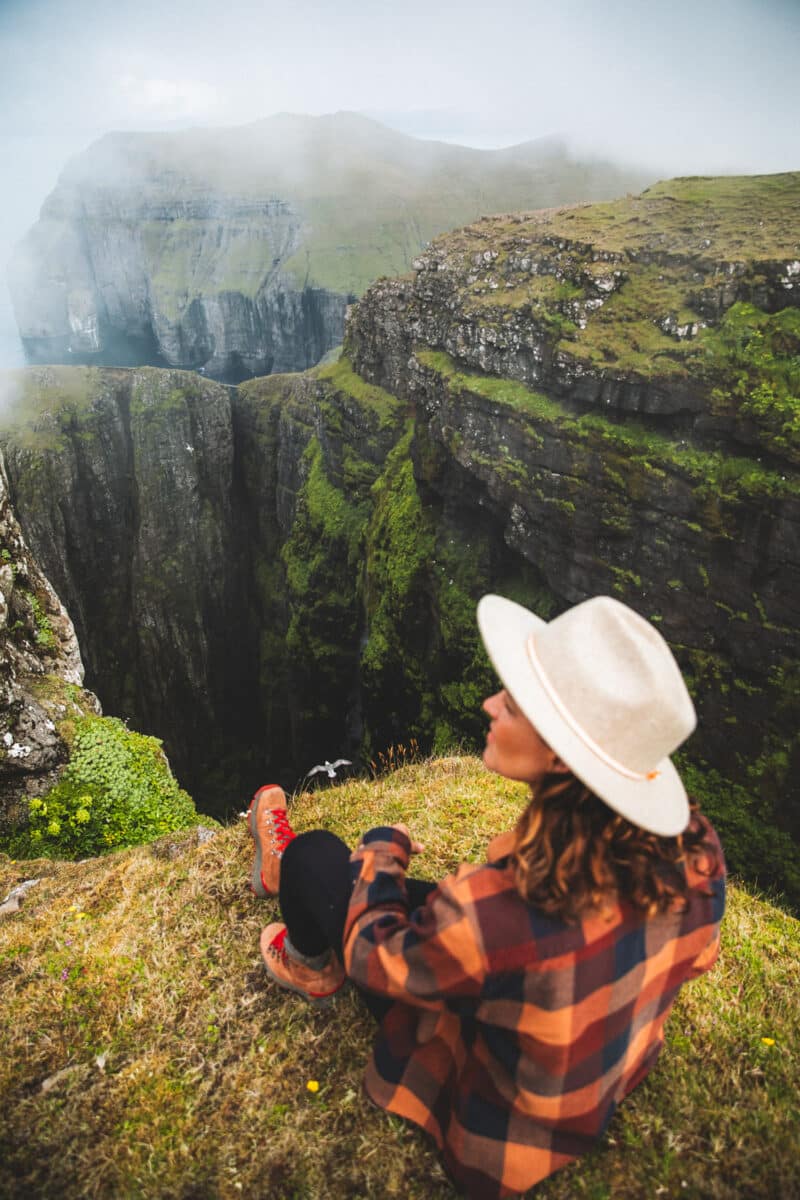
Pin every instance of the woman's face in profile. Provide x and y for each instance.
(513, 747)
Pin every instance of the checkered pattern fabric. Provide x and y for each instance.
(514, 1036)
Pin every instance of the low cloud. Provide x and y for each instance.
(168, 99)
(10, 391)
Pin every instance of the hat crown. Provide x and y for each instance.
(615, 681)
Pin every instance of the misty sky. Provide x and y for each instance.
(690, 86)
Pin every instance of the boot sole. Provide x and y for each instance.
(323, 1001)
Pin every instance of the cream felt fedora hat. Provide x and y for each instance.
(602, 688)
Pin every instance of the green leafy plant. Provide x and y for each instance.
(45, 636)
(117, 790)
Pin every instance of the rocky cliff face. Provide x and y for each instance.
(126, 275)
(128, 494)
(41, 673)
(236, 251)
(287, 571)
(211, 545)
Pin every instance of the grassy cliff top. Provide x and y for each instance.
(724, 218)
(32, 398)
(146, 1055)
(694, 283)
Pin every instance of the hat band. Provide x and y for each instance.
(576, 728)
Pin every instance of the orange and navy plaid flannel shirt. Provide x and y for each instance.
(514, 1035)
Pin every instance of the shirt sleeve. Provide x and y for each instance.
(422, 957)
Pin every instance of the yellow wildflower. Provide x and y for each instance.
(313, 1085)
(768, 1041)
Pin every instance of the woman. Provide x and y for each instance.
(520, 1000)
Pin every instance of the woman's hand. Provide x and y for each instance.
(416, 847)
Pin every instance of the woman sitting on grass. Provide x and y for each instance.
(520, 1000)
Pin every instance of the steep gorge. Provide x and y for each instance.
(572, 402)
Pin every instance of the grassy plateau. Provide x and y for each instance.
(146, 1055)
(639, 285)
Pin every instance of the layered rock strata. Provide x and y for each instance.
(620, 382)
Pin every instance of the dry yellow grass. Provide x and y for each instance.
(185, 1073)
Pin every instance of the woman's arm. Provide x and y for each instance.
(423, 957)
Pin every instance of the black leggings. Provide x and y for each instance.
(315, 892)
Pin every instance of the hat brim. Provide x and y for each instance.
(657, 804)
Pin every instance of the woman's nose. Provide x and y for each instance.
(490, 704)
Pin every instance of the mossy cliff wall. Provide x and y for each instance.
(263, 576)
(361, 591)
(290, 569)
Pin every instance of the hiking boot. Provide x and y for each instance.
(317, 979)
(268, 822)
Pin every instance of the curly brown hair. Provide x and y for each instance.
(572, 854)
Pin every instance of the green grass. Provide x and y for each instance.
(116, 790)
(626, 330)
(376, 400)
(47, 406)
(760, 382)
(183, 261)
(679, 216)
(186, 1073)
(507, 392)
